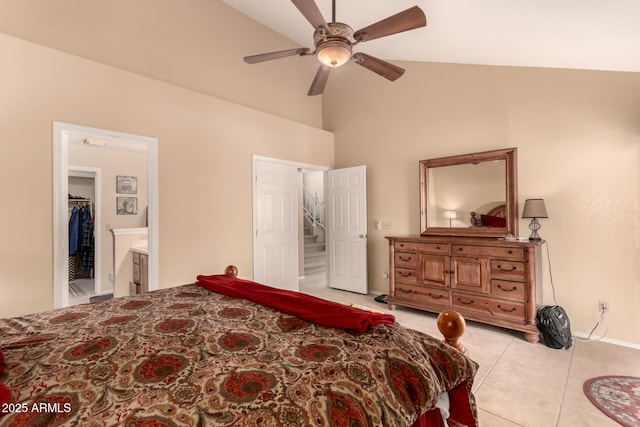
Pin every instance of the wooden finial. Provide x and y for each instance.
(231, 270)
(452, 325)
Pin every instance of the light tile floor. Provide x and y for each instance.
(80, 290)
(518, 383)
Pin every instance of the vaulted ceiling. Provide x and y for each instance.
(580, 34)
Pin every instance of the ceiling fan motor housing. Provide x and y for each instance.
(333, 47)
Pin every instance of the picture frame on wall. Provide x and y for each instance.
(127, 205)
(126, 184)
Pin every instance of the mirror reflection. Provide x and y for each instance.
(467, 195)
(471, 195)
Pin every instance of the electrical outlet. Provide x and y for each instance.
(603, 306)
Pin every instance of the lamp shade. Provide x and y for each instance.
(450, 214)
(334, 53)
(534, 208)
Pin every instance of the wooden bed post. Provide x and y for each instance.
(452, 325)
(231, 270)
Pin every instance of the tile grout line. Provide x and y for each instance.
(566, 382)
(495, 363)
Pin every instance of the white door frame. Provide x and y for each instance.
(61, 134)
(97, 228)
(300, 166)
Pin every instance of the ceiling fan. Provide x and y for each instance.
(334, 42)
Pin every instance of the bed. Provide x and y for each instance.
(204, 355)
(496, 217)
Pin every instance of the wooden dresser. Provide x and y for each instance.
(486, 279)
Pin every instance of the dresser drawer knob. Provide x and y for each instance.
(466, 302)
(403, 258)
(511, 310)
(510, 252)
(438, 247)
(439, 296)
(515, 288)
(406, 291)
(507, 269)
(403, 274)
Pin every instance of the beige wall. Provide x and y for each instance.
(205, 148)
(578, 139)
(194, 44)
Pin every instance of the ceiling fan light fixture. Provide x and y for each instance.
(334, 53)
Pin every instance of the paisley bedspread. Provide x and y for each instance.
(186, 356)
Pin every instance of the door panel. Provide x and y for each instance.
(276, 224)
(347, 229)
(470, 274)
(434, 270)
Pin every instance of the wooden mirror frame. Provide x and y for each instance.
(511, 179)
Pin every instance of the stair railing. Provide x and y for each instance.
(313, 208)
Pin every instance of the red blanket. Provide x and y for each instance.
(304, 306)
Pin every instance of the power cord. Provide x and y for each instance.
(598, 323)
(602, 313)
(553, 288)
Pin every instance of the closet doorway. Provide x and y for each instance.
(104, 143)
(85, 234)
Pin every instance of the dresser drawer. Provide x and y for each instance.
(439, 248)
(423, 294)
(510, 270)
(406, 259)
(405, 275)
(493, 251)
(508, 290)
(470, 302)
(510, 310)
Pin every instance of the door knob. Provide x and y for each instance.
(362, 236)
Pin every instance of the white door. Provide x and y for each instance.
(347, 229)
(276, 224)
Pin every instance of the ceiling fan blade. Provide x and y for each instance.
(319, 81)
(378, 66)
(275, 55)
(407, 20)
(311, 11)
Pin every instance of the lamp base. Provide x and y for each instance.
(534, 226)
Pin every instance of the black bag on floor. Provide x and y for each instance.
(555, 326)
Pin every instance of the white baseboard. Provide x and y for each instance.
(621, 343)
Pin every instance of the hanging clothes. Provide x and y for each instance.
(74, 230)
(86, 246)
(81, 242)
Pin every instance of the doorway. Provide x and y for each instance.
(278, 238)
(103, 142)
(85, 240)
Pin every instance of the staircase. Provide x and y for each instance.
(315, 255)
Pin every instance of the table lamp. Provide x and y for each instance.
(534, 209)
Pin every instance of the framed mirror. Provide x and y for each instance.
(473, 195)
